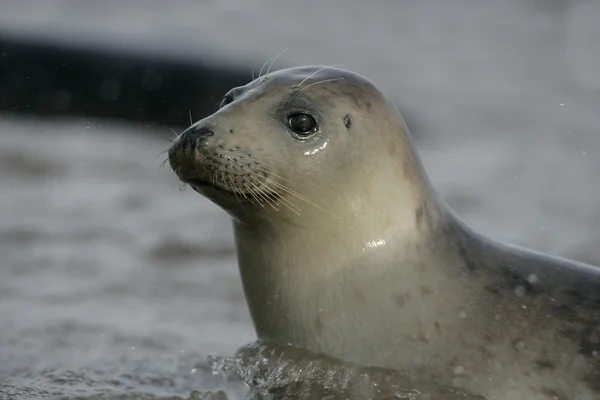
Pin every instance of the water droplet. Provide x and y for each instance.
(532, 278)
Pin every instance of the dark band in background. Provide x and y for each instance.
(58, 79)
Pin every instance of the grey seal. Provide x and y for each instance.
(346, 250)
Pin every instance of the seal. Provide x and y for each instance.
(346, 250)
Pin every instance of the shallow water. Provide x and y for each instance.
(114, 281)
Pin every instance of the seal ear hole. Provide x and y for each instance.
(302, 125)
(347, 121)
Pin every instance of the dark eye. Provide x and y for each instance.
(226, 100)
(302, 124)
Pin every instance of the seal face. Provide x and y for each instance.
(346, 250)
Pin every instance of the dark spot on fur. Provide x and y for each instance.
(545, 364)
(368, 105)
(347, 121)
(231, 131)
(221, 146)
(419, 216)
(402, 299)
(425, 290)
(437, 326)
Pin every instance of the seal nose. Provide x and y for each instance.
(195, 134)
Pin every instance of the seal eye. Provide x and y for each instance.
(226, 100)
(302, 124)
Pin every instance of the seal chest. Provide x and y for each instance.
(345, 249)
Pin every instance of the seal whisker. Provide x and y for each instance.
(275, 59)
(283, 200)
(291, 191)
(162, 152)
(173, 131)
(222, 180)
(191, 120)
(316, 72)
(305, 180)
(263, 67)
(240, 202)
(162, 164)
(323, 81)
(298, 196)
(293, 207)
(253, 193)
(259, 194)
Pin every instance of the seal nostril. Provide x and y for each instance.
(202, 132)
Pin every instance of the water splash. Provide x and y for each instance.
(283, 372)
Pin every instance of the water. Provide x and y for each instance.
(114, 281)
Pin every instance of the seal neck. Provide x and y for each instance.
(292, 269)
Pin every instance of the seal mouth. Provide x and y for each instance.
(211, 190)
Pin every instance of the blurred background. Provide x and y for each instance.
(115, 280)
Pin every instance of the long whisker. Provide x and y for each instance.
(291, 192)
(253, 193)
(224, 181)
(283, 200)
(294, 208)
(281, 177)
(162, 164)
(191, 120)
(256, 193)
(261, 193)
(263, 67)
(275, 59)
(316, 83)
(316, 72)
(161, 153)
(281, 185)
(235, 192)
